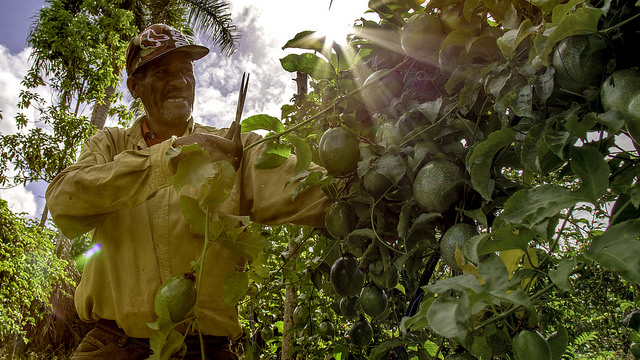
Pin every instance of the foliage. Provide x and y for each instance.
(76, 46)
(29, 272)
(550, 180)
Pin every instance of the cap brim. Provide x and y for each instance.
(196, 52)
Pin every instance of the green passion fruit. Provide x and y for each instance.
(266, 333)
(347, 279)
(632, 120)
(175, 298)
(579, 62)
(361, 333)
(349, 306)
(380, 88)
(373, 300)
(326, 330)
(301, 315)
(457, 235)
(422, 36)
(376, 184)
(618, 89)
(339, 151)
(437, 185)
(340, 219)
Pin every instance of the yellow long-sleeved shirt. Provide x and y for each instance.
(122, 191)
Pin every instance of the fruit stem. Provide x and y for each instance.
(329, 107)
(621, 23)
(199, 279)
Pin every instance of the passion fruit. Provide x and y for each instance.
(347, 279)
(350, 306)
(579, 62)
(361, 333)
(376, 184)
(301, 315)
(380, 88)
(326, 330)
(340, 219)
(339, 151)
(632, 120)
(373, 300)
(175, 298)
(457, 235)
(266, 333)
(422, 36)
(437, 185)
(618, 89)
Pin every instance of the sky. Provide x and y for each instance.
(264, 27)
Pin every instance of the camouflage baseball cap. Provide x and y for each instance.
(157, 40)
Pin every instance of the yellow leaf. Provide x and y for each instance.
(511, 259)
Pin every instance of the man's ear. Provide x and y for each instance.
(131, 84)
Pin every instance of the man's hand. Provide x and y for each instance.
(227, 148)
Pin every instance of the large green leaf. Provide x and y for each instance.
(494, 273)
(618, 248)
(310, 64)
(589, 164)
(558, 342)
(449, 316)
(274, 154)
(235, 287)
(262, 122)
(302, 151)
(532, 206)
(529, 345)
(560, 276)
(480, 159)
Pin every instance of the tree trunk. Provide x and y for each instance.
(99, 113)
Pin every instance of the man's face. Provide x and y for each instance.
(166, 87)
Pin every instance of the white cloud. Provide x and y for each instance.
(20, 200)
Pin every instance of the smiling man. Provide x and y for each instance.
(120, 191)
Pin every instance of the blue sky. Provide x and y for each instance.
(218, 77)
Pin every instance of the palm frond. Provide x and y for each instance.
(212, 18)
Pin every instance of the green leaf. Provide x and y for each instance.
(165, 341)
(302, 151)
(308, 39)
(510, 40)
(219, 186)
(262, 122)
(494, 273)
(532, 206)
(381, 351)
(589, 164)
(309, 64)
(528, 344)
(618, 248)
(461, 283)
(194, 169)
(391, 166)
(274, 154)
(556, 141)
(193, 213)
(449, 316)
(560, 276)
(235, 287)
(558, 342)
(480, 159)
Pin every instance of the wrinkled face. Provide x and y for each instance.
(166, 87)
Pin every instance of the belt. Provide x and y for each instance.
(191, 341)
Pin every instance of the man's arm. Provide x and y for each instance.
(103, 181)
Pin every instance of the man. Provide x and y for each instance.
(121, 190)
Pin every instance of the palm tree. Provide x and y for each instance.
(209, 17)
